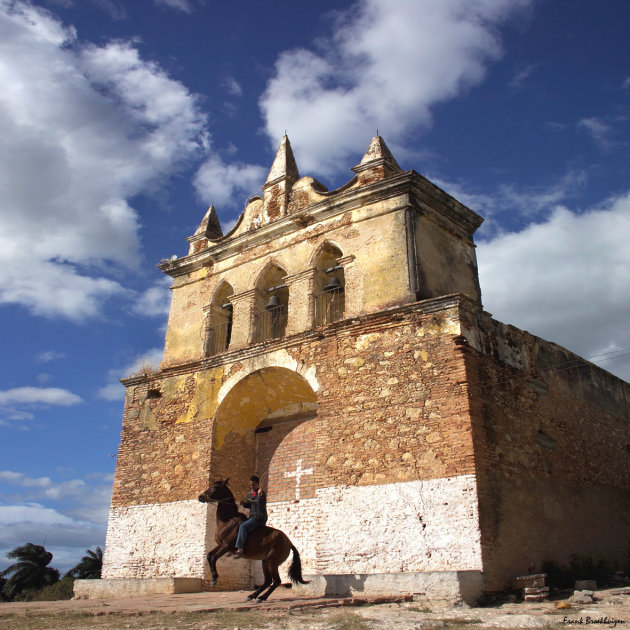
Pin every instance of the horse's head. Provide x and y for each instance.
(218, 491)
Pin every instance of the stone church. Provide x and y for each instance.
(335, 344)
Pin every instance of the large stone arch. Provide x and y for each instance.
(266, 424)
(262, 399)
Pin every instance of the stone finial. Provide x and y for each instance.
(277, 189)
(210, 227)
(377, 163)
(284, 166)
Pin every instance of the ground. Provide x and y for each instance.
(293, 611)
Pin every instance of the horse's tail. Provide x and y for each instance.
(295, 570)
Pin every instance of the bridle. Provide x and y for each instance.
(225, 500)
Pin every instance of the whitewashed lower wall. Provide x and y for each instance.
(157, 540)
(417, 526)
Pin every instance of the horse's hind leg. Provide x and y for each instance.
(266, 583)
(272, 569)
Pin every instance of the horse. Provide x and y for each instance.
(265, 543)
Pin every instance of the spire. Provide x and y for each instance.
(378, 155)
(210, 227)
(284, 166)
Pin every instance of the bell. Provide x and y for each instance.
(333, 284)
(274, 302)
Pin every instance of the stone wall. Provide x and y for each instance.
(376, 402)
(552, 449)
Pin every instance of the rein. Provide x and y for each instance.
(232, 500)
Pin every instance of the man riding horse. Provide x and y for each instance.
(256, 502)
(262, 543)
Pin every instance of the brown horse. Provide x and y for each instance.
(265, 543)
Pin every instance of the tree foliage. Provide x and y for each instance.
(31, 571)
(90, 566)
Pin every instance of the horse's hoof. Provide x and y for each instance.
(260, 600)
(213, 583)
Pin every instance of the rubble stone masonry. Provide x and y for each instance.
(410, 435)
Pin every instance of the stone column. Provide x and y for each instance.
(242, 318)
(301, 301)
(353, 280)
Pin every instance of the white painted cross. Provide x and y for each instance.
(298, 473)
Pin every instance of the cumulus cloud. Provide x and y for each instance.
(85, 128)
(384, 66)
(15, 403)
(523, 204)
(156, 300)
(69, 516)
(38, 396)
(228, 185)
(566, 279)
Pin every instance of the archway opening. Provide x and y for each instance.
(255, 417)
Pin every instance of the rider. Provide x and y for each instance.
(256, 501)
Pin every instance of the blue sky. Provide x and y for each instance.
(122, 121)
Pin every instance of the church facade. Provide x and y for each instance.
(335, 344)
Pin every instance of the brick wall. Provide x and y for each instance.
(286, 453)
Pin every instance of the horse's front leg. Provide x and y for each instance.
(213, 556)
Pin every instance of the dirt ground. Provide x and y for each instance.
(228, 611)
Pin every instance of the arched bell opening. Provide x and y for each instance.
(272, 303)
(330, 286)
(219, 320)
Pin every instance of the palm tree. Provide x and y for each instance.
(30, 571)
(90, 566)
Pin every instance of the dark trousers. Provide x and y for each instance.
(245, 529)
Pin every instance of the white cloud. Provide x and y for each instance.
(598, 130)
(49, 355)
(228, 185)
(519, 80)
(13, 514)
(92, 126)
(67, 516)
(233, 86)
(181, 5)
(114, 390)
(521, 203)
(626, 83)
(385, 65)
(566, 279)
(156, 300)
(38, 396)
(113, 8)
(64, 536)
(74, 498)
